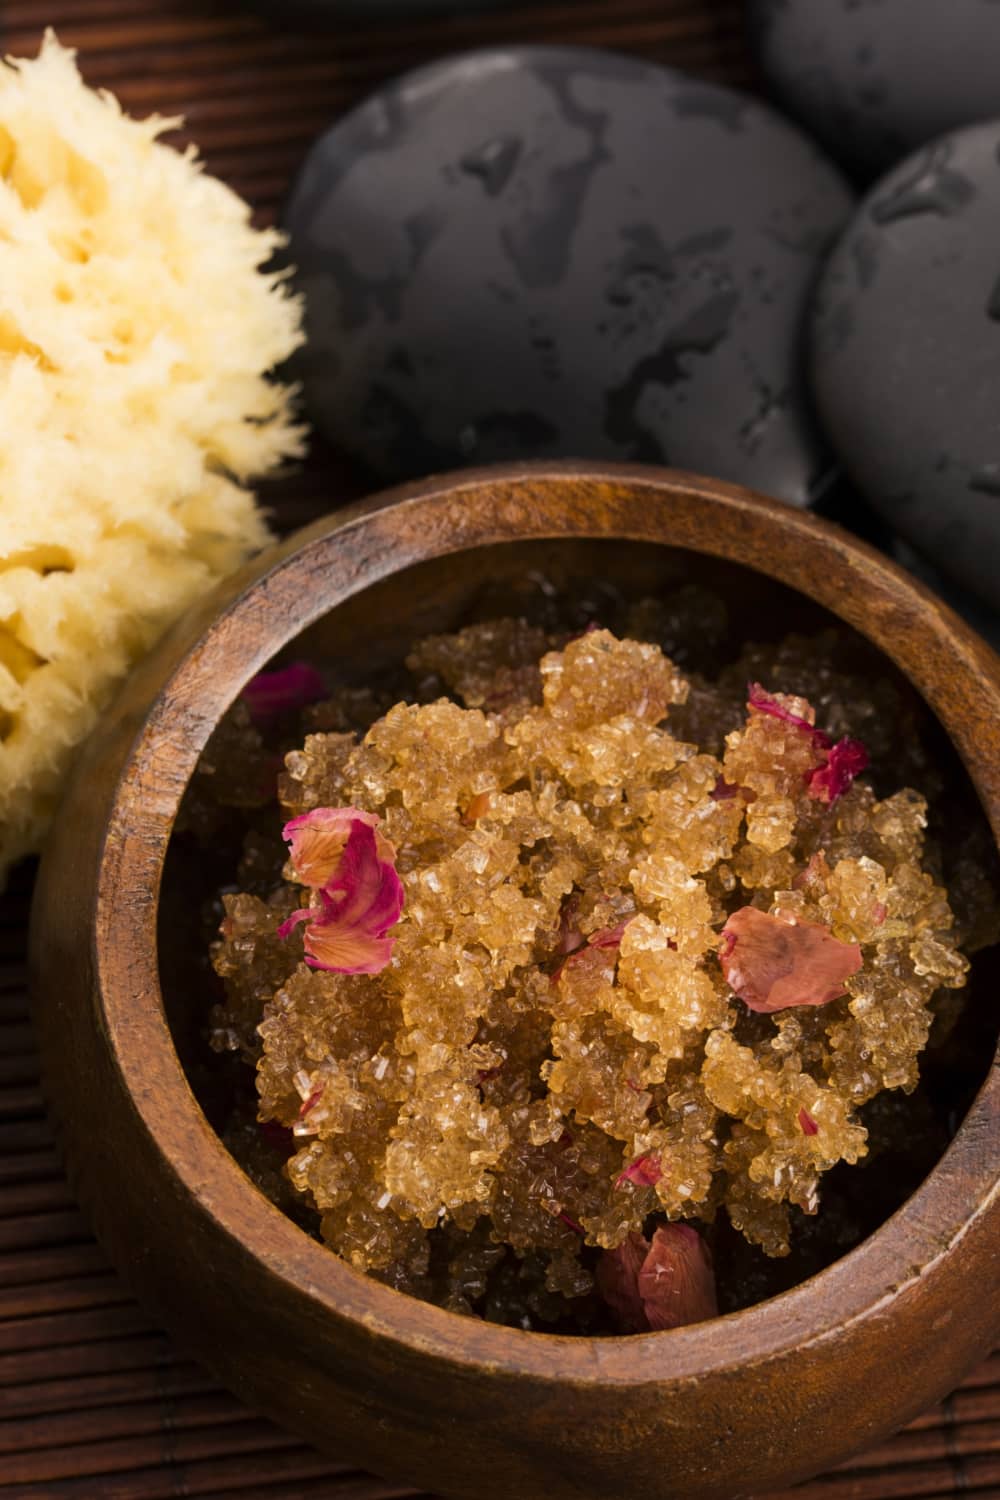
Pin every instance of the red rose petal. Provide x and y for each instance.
(725, 791)
(272, 693)
(676, 1282)
(311, 1102)
(771, 963)
(760, 701)
(807, 1123)
(570, 1223)
(645, 1171)
(845, 760)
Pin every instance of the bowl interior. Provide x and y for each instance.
(570, 583)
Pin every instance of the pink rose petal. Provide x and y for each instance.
(608, 937)
(807, 1124)
(664, 1284)
(815, 873)
(617, 1280)
(604, 937)
(676, 1282)
(844, 760)
(645, 1171)
(317, 841)
(272, 693)
(772, 963)
(304, 914)
(360, 898)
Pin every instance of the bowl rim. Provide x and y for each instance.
(212, 661)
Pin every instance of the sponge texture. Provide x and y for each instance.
(136, 330)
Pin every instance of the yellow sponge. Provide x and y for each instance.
(136, 330)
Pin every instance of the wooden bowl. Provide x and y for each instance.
(759, 1398)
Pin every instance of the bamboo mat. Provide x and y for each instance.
(95, 1403)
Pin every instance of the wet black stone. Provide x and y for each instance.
(543, 252)
(905, 354)
(875, 78)
(984, 620)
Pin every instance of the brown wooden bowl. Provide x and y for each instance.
(754, 1399)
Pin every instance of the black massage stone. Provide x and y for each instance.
(905, 354)
(544, 252)
(874, 78)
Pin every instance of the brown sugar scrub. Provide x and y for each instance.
(578, 971)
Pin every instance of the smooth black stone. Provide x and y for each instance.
(984, 620)
(543, 252)
(905, 354)
(843, 504)
(872, 79)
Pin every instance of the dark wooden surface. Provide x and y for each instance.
(94, 1402)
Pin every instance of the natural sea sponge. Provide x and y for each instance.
(136, 330)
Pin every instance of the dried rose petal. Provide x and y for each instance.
(570, 1223)
(676, 1282)
(807, 1124)
(815, 873)
(725, 791)
(772, 963)
(312, 1100)
(666, 1284)
(845, 760)
(760, 701)
(604, 937)
(645, 1171)
(346, 931)
(317, 840)
(272, 693)
(570, 936)
(608, 937)
(617, 1280)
